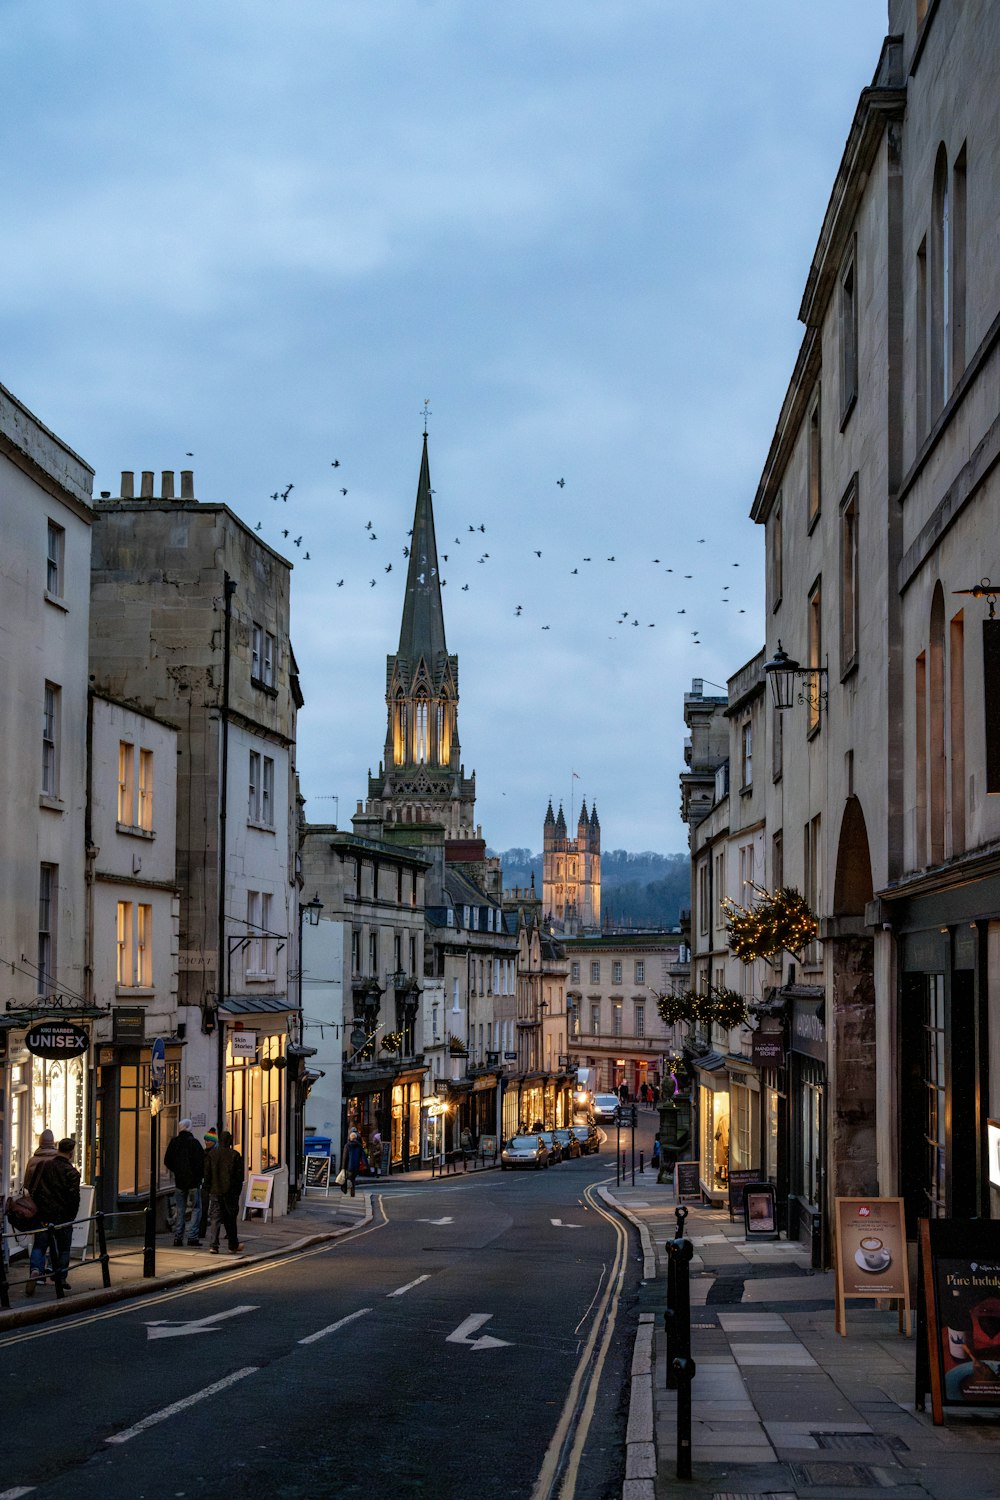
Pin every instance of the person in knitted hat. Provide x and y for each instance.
(211, 1140)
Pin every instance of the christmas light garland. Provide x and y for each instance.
(779, 922)
(714, 1006)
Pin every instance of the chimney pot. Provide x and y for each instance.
(146, 491)
(167, 484)
(187, 484)
(128, 484)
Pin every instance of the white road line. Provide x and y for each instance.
(397, 1293)
(18, 1491)
(171, 1411)
(312, 1337)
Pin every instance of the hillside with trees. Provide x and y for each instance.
(637, 890)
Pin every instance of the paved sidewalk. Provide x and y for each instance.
(782, 1405)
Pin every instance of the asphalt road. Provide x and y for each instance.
(474, 1340)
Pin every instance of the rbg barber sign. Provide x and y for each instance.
(54, 1039)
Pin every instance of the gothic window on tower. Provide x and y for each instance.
(420, 749)
(399, 732)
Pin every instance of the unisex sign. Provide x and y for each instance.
(53, 1039)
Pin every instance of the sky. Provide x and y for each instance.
(260, 238)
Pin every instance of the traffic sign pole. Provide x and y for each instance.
(157, 1075)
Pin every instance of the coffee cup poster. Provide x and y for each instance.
(871, 1253)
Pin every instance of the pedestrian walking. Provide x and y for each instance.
(44, 1153)
(623, 1093)
(375, 1151)
(185, 1158)
(210, 1140)
(224, 1181)
(54, 1183)
(352, 1160)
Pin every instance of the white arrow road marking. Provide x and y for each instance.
(435, 1221)
(332, 1328)
(171, 1411)
(461, 1334)
(560, 1225)
(164, 1329)
(397, 1293)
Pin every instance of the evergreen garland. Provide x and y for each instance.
(779, 921)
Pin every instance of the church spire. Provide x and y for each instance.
(421, 633)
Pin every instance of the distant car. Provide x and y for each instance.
(606, 1107)
(524, 1151)
(569, 1142)
(590, 1141)
(552, 1145)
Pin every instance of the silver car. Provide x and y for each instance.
(524, 1151)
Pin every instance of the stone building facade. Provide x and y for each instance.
(571, 871)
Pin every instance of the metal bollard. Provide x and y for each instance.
(149, 1243)
(642, 1166)
(58, 1276)
(677, 1323)
(4, 1285)
(102, 1245)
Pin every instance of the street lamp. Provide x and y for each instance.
(313, 908)
(782, 670)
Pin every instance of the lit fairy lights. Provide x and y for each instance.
(779, 921)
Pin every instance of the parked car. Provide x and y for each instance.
(590, 1141)
(606, 1107)
(524, 1151)
(552, 1146)
(569, 1142)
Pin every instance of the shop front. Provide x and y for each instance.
(387, 1100)
(45, 1078)
(807, 1118)
(744, 1117)
(713, 1125)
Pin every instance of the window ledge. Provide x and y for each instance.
(848, 410)
(814, 731)
(747, 790)
(57, 602)
(136, 991)
(814, 521)
(259, 978)
(53, 804)
(851, 669)
(264, 687)
(260, 827)
(134, 831)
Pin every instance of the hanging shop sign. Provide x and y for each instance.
(767, 1049)
(52, 1039)
(958, 1332)
(870, 1250)
(128, 1025)
(808, 1031)
(243, 1043)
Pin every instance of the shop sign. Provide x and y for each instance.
(243, 1043)
(128, 1025)
(993, 1151)
(870, 1250)
(687, 1181)
(767, 1049)
(760, 1213)
(52, 1039)
(808, 1033)
(258, 1195)
(738, 1179)
(510, 1057)
(958, 1338)
(484, 1083)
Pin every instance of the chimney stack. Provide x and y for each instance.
(128, 485)
(187, 484)
(167, 485)
(146, 492)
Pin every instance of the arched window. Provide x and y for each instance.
(420, 732)
(399, 731)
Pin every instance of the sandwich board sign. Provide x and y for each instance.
(870, 1252)
(958, 1330)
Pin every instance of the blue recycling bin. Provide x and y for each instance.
(317, 1145)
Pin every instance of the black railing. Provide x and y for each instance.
(48, 1233)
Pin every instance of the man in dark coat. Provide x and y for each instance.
(55, 1187)
(185, 1157)
(224, 1181)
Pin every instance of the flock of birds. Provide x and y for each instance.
(624, 618)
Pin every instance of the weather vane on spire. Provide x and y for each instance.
(426, 412)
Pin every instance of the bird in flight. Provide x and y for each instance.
(682, 611)
(406, 553)
(343, 491)
(562, 485)
(285, 532)
(546, 627)
(335, 464)
(372, 537)
(189, 455)
(610, 559)
(371, 583)
(340, 583)
(472, 528)
(307, 558)
(482, 528)
(297, 541)
(701, 539)
(287, 491)
(537, 553)
(517, 610)
(258, 526)
(465, 588)
(587, 559)
(276, 496)
(574, 570)
(368, 526)
(388, 567)
(444, 555)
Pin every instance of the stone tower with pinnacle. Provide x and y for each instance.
(421, 779)
(571, 871)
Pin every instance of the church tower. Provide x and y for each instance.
(421, 778)
(571, 871)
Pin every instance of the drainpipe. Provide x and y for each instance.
(222, 967)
